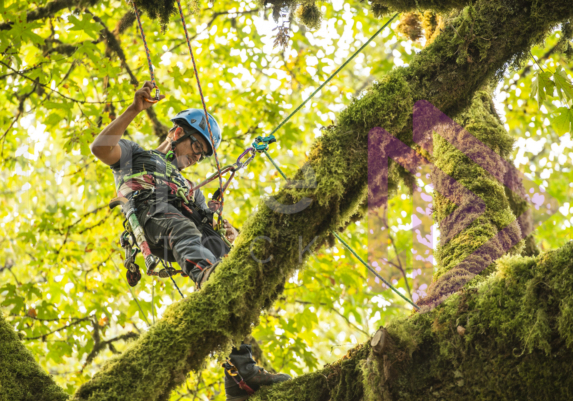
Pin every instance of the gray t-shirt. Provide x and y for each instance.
(140, 169)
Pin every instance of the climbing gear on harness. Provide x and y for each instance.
(136, 11)
(136, 230)
(261, 144)
(195, 118)
(243, 377)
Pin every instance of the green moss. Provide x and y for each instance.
(309, 15)
(416, 5)
(21, 378)
(516, 344)
(229, 305)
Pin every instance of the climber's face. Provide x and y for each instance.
(190, 151)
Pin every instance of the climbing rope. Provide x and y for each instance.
(354, 252)
(130, 290)
(220, 211)
(285, 177)
(300, 106)
(146, 52)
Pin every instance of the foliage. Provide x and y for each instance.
(61, 278)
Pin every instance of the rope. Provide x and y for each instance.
(284, 176)
(220, 212)
(130, 290)
(171, 277)
(353, 251)
(333, 75)
(146, 52)
(374, 271)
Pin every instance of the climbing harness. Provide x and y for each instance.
(132, 240)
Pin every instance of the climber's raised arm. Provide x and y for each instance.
(105, 146)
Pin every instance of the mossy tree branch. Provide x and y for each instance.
(506, 337)
(50, 10)
(21, 378)
(476, 45)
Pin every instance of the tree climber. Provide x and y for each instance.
(176, 221)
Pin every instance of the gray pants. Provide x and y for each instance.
(174, 237)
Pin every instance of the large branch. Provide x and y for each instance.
(475, 46)
(21, 378)
(506, 338)
(50, 10)
(418, 5)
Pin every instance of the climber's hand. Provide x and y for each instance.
(147, 91)
(232, 233)
(214, 206)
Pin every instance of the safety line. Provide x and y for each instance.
(204, 110)
(130, 290)
(374, 271)
(352, 250)
(333, 74)
(146, 51)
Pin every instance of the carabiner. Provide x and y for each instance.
(156, 96)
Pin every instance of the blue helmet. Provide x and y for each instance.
(196, 118)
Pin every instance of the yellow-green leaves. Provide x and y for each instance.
(561, 123)
(542, 86)
(85, 25)
(563, 85)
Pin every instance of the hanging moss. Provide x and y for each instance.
(21, 378)
(410, 26)
(309, 15)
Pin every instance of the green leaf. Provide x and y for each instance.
(85, 25)
(562, 123)
(563, 85)
(542, 87)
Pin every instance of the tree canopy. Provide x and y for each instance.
(71, 67)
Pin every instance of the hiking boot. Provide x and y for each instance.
(243, 377)
(205, 274)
